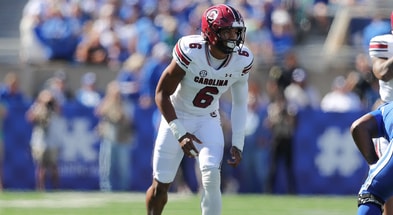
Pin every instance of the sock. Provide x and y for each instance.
(211, 194)
(369, 209)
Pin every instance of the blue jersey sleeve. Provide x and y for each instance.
(380, 116)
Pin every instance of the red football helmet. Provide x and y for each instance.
(219, 17)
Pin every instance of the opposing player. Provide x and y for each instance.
(203, 68)
(381, 53)
(378, 187)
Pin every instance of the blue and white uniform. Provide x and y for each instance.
(381, 46)
(379, 180)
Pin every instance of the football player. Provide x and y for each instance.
(378, 186)
(187, 95)
(381, 54)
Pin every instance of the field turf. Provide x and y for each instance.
(97, 203)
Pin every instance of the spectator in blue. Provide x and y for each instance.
(187, 15)
(58, 35)
(147, 34)
(10, 92)
(77, 17)
(283, 34)
(151, 72)
(128, 33)
(88, 95)
(377, 26)
(129, 76)
(268, 8)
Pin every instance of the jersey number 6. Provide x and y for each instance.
(204, 97)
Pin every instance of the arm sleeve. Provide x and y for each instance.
(381, 46)
(239, 93)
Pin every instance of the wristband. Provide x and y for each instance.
(238, 140)
(177, 129)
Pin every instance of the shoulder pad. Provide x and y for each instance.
(247, 57)
(185, 47)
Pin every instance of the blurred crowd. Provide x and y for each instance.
(136, 38)
(109, 31)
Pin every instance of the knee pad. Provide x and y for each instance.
(365, 198)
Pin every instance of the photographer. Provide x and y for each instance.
(44, 150)
(116, 131)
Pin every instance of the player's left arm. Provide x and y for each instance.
(380, 51)
(239, 91)
(382, 68)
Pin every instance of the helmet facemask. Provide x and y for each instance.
(228, 45)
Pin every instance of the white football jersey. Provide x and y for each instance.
(202, 86)
(382, 47)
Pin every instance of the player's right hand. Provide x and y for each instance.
(187, 145)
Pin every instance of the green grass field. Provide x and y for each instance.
(96, 203)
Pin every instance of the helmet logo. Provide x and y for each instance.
(212, 15)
